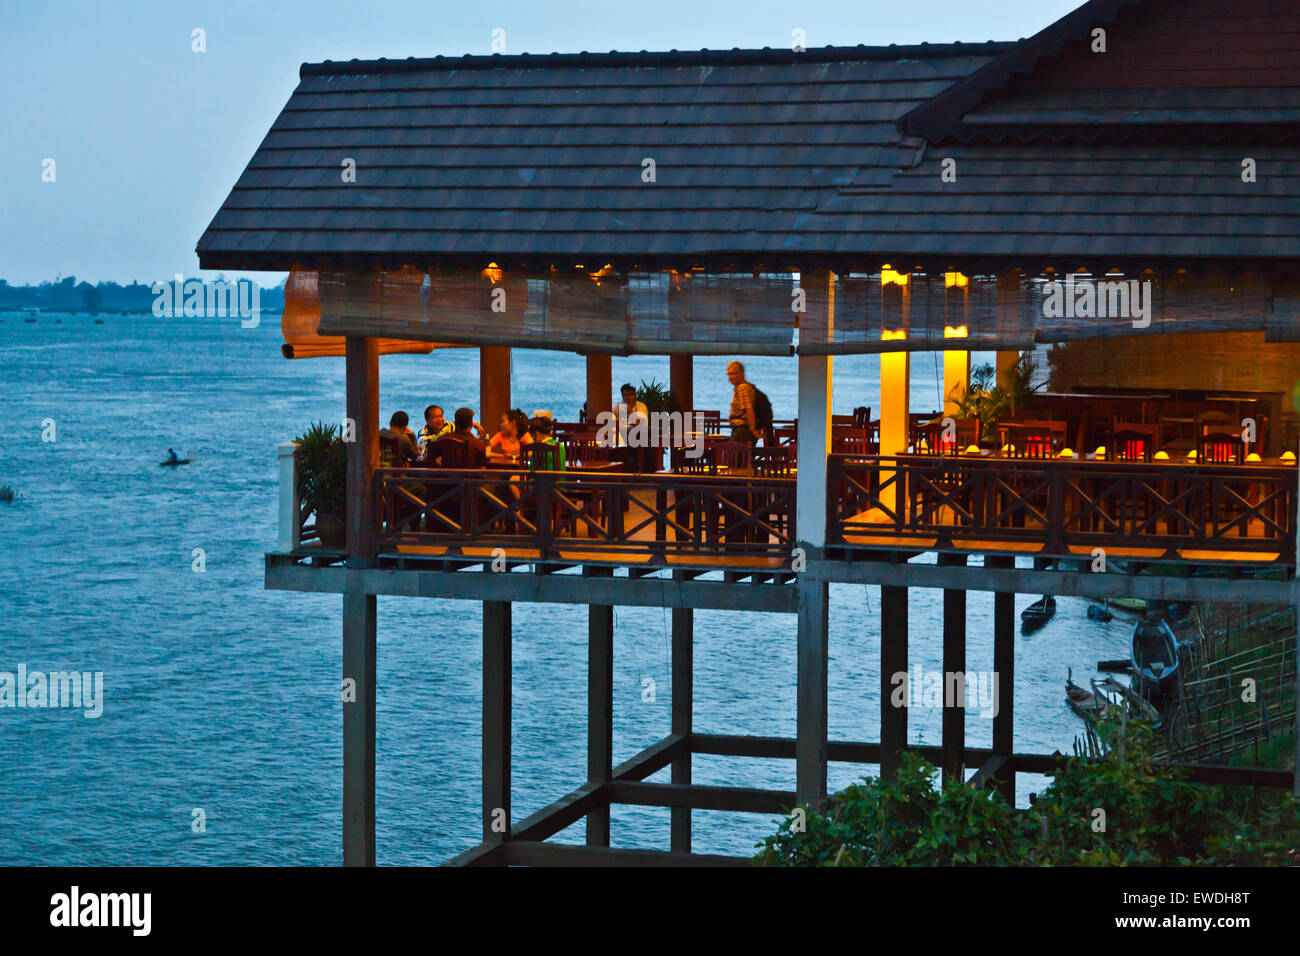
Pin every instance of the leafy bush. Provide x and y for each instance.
(323, 469)
(1123, 810)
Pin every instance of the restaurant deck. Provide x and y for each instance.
(804, 204)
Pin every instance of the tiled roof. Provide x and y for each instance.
(541, 158)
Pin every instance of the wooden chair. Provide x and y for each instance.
(772, 462)
(1033, 439)
(390, 451)
(1220, 447)
(732, 457)
(1132, 442)
(448, 453)
(848, 440)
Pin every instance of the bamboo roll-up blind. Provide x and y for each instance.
(302, 316)
(598, 312)
(919, 312)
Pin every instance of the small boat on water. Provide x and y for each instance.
(1154, 653)
(1038, 613)
(1131, 605)
(1099, 612)
(1108, 695)
(172, 463)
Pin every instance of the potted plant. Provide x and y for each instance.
(656, 396)
(990, 403)
(323, 480)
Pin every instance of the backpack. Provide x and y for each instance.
(762, 412)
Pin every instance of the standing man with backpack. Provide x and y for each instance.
(751, 412)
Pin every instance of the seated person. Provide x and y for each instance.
(464, 433)
(397, 443)
(435, 426)
(540, 460)
(505, 443)
(523, 427)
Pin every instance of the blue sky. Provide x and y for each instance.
(148, 136)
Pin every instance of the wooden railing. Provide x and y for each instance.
(569, 515)
(1063, 506)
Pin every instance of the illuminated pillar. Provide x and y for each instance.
(895, 375)
(956, 362)
(816, 386)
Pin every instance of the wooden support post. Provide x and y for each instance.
(496, 720)
(600, 385)
(954, 676)
(682, 717)
(600, 714)
(290, 503)
(681, 380)
(811, 692)
(1004, 667)
(816, 387)
(893, 661)
(361, 366)
(358, 728)
(493, 385)
(1009, 317)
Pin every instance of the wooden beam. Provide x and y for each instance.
(683, 678)
(954, 671)
(811, 692)
(1059, 583)
(524, 853)
(600, 713)
(361, 367)
(528, 587)
(1004, 666)
(893, 661)
(493, 385)
(484, 854)
(561, 814)
(359, 659)
(496, 720)
(653, 759)
(695, 796)
(992, 769)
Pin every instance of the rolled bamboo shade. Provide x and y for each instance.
(302, 316)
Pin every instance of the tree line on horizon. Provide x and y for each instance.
(66, 294)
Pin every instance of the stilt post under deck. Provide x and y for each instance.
(683, 664)
(600, 714)
(496, 720)
(954, 674)
(358, 728)
(893, 661)
(1004, 666)
(811, 690)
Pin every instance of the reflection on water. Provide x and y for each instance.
(225, 697)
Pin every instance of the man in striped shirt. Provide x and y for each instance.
(744, 424)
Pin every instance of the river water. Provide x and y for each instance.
(220, 740)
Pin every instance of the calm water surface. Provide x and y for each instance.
(223, 697)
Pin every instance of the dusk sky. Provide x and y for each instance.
(148, 136)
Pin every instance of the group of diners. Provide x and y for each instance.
(464, 443)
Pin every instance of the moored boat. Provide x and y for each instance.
(1038, 613)
(1154, 653)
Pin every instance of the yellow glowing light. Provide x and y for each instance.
(1161, 456)
(1100, 452)
(893, 335)
(888, 275)
(1288, 456)
(493, 272)
(951, 279)
(1253, 457)
(1066, 453)
(958, 332)
(972, 449)
(1192, 453)
(1008, 449)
